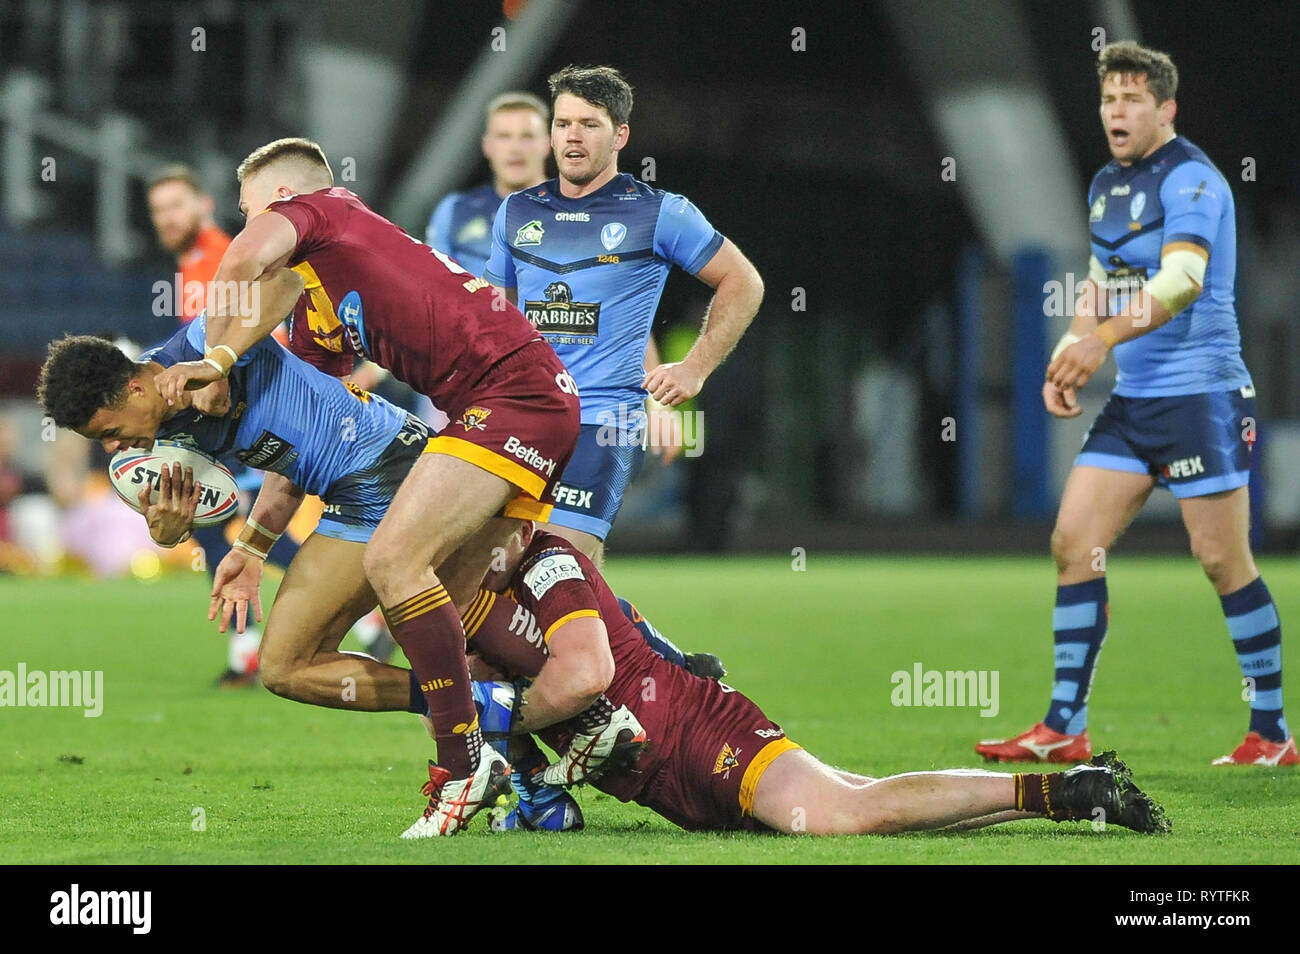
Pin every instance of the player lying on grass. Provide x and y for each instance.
(312, 434)
(715, 761)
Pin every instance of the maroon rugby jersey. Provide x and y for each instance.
(554, 581)
(373, 291)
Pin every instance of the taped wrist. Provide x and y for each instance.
(256, 539)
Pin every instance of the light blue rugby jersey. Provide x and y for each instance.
(1173, 195)
(461, 226)
(589, 274)
(285, 416)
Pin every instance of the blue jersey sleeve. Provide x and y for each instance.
(683, 235)
(174, 350)
(500, 269)
(192, 344)
(1193, 197)
(438, 235)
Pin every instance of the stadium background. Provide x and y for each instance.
(905, 184)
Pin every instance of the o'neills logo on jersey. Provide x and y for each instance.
(268, 452)
(529, 455)
(572, 217)
(1187, 467)
(563, 320)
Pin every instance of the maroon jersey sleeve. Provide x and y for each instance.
(555, 583)
(318, 218)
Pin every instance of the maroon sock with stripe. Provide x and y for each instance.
(505, 634)
(428, 629)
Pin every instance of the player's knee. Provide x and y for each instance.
(1217, 560)
(1065, 547)
(276, 674)
(381, 562)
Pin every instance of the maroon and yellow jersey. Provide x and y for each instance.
(374, 292)
(556, 584)
(709, 745)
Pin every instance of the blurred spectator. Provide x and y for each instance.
(14, 481)
(181, 211)
(516, 142)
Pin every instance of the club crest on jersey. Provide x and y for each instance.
(1098, 210)
(530, 233)
(727, 760)
(474, 417)
(1136, 205)
(473, 230)
(612, 235)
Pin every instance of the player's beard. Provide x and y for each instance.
(594, 172)
(186, 240)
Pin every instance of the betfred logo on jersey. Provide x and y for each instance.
(529, 456)
(563, 320)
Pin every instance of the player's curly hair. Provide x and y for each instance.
(1132, 59)
(80, 376)
(601, 86)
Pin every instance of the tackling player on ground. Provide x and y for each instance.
(1182, 414)
(716, 761)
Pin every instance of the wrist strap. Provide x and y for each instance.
(248, 548)
(211, 359)
(228, 350)
(256, 539)
(1107, 333)
(217, 366)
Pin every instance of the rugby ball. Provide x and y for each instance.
(131, 468)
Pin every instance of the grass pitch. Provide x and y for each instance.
(279, 782)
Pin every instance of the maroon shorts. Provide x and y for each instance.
(519, 421)
(708, 781)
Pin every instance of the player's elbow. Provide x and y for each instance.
(756, 288)
(593, 676)
(590, 675)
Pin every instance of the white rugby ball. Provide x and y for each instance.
(131, 468)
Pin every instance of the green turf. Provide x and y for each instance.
(282, 782)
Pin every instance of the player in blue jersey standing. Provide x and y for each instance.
(1182, 413)
(516, 145)
(586, 255)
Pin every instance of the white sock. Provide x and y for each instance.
(242, 656)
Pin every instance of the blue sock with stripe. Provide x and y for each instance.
(1257, 637)
(1079, 623)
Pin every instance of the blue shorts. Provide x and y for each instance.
(1194, 444)
(590, 491)
(355, 504)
